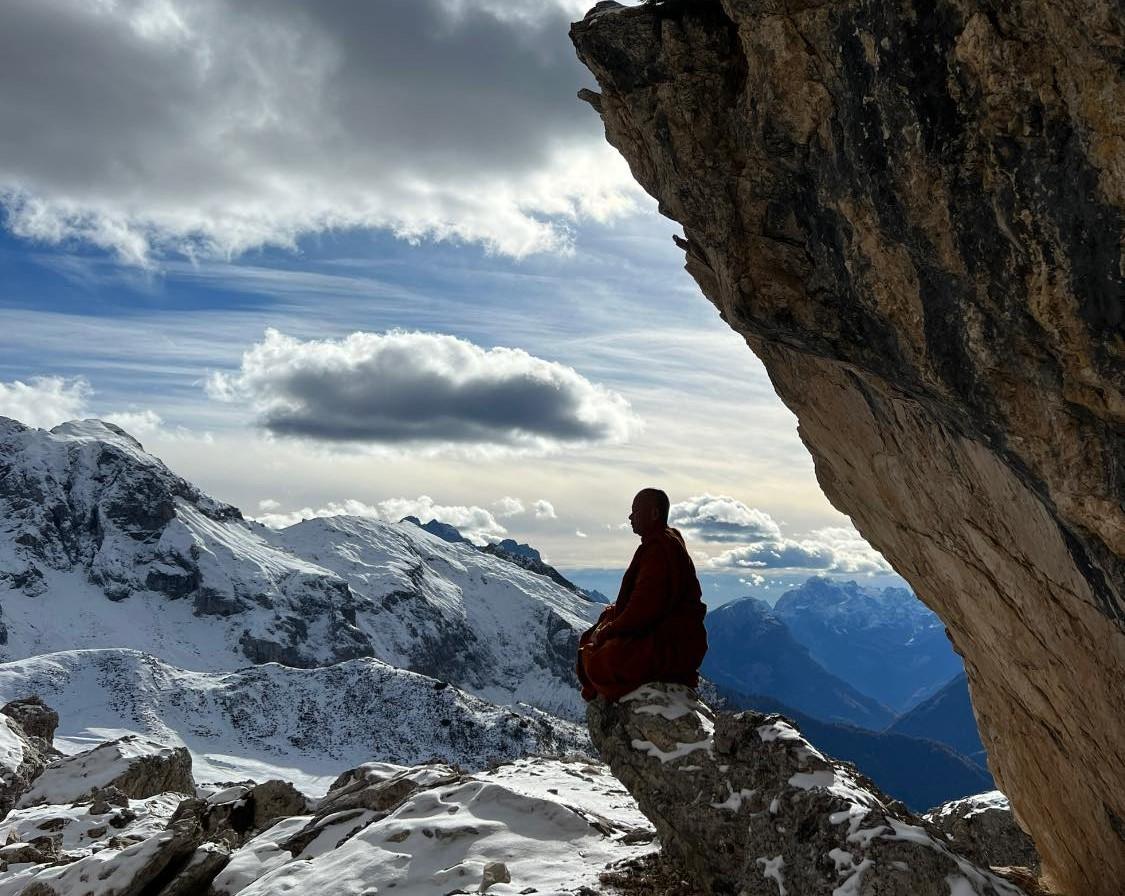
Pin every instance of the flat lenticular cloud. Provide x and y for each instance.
(834, 549)
(400, 388)
(211, 127)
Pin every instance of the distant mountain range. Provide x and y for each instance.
(751, 651)
(101, 546)
(884, 642)
(948, 717)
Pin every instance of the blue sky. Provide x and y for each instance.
(194, 203)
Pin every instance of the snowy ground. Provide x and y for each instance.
(271, 721)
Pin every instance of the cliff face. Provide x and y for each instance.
(913, 212)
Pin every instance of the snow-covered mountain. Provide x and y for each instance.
(102, 546)
(883, 642)
(302, 725)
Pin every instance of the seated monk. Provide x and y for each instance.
(654, 632)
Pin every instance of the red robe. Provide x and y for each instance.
(654, 632)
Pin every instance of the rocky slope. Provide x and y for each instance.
(748, 806)
(920, 771)
(882, 641)
(101, 545)
(750, 650)
(913, 212)
(127, 817)
(274, 721)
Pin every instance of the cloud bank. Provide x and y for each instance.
(403, 389)
(721, 519)
(475, 523)
(44, 401)
(209, 127)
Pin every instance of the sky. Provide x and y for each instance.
(376, 258)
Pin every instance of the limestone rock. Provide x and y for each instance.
(235, 815)
(36, 718)
(135, 766)
(748, 806)
(22, 760)
(984, 828)
(913, 212)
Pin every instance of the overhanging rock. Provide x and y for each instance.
(913, 212)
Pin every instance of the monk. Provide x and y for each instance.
(654, 632)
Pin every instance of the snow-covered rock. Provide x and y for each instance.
(136, 766)
(748, 806)
(553, 825)
(22, 760)
(272, 721)
(101, 545)
(984, 827)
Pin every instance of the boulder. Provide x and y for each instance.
(747, 806)
(22, 760)
(235, 815)
(914, 214)
(984, 827)
(35, 717)
(136, 766)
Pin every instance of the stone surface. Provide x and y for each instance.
(22, 760)
(984, 828)
(912, 212)
(747, 806)
(135, 766)
(35, 717)
(237, 814)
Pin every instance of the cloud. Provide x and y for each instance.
(753, 579)
(719, 518)
(580, 533)
(44, 401)
(137, 423)
(475, 523)
(508, 506)
(214, 126)
(544, 510)
(834, 549)
(403, 388)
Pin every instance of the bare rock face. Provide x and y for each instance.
(22, 759)
(35, 717)
(913, 213)
(983, 827)
(748, 806)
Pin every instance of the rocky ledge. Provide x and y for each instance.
(748, 806)
(914, 213)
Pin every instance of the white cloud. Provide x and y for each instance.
(269, 504)
(834, 549)
(544, 510)
(401, 389)
(720, 518)
(214, 126)
(475, 523)
(137, 423)
(754, 580)
(44, 401)
(508, 506)
(580, 533)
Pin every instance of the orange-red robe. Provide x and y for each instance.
(654, 632)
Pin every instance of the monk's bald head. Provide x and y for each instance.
(650, 511)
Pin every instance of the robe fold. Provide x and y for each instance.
(654, 631)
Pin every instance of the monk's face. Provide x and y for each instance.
(644, 517)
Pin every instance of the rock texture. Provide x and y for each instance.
(749, 806)
(913, 213)
(983, 828)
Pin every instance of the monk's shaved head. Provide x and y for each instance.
(657, 499)
(649, 511)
